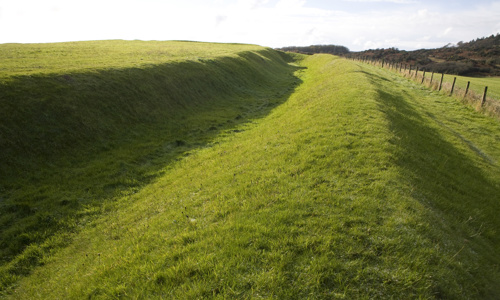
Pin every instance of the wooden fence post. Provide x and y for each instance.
(484, 96)
(441, 83)
(467, 89)
(416, 73)
(432, 76)
(423, 77)
(453, 85)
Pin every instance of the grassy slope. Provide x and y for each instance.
(361, 185)
(73, 141)
(57, 58)
(84, 92)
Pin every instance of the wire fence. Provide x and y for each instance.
(435, 81)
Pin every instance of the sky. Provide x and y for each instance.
(357, 24)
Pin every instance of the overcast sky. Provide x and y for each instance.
(356, 24)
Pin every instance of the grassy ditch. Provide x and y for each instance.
(361, 185)
(75, 141)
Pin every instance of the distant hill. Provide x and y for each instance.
(479, 57)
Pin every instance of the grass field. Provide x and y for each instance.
(475, 94)
(45, 111)
(322, 178)
(477, 84)
(57, 58)
(72, 142)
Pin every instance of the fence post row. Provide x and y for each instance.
(392, 65)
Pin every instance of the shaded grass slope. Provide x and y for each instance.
(362, 185)
(44, 114)
(73, 140)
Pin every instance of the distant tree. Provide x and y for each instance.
(330, 49)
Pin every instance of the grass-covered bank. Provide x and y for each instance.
(448, 156)
(361, 185)
(61, 108)
(75, 140)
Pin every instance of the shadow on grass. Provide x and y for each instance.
(87, 139)
(447, 181)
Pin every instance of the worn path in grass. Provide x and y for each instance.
(362, 185)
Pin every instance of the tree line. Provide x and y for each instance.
(479, 57)
(330, 49)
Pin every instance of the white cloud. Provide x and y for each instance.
(388, 1)
(252, 4)
(446, 32)
(290, 4)
(264, 22)
(219, 19)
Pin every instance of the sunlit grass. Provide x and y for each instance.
(72, 143)
(477, 84)
(27, 59)
(361, 185)
(470, 90)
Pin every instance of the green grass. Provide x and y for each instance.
(47, 112)
(355, 184)
(56, 58)
(71, 143)
(474, 95)
(477, 84)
